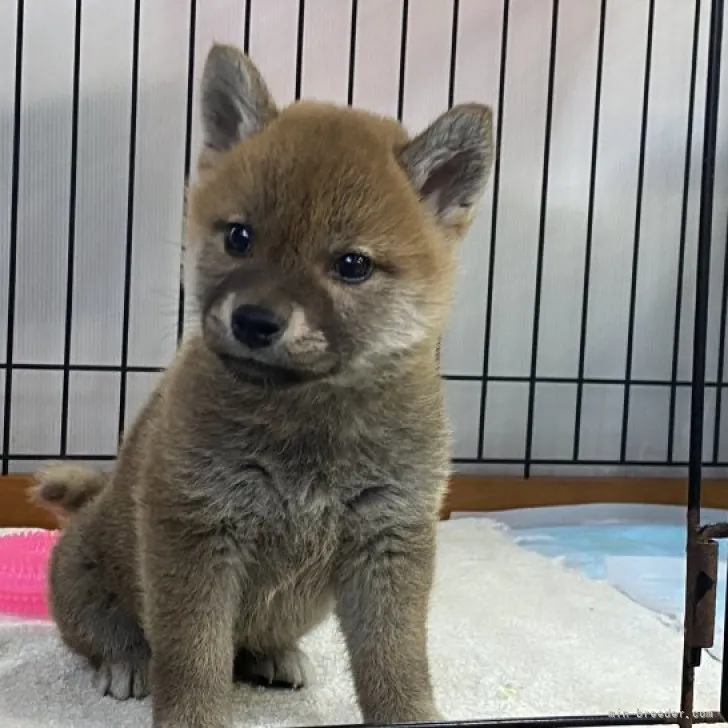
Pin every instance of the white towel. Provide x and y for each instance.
(511, 634)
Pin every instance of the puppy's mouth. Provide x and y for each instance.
(257, 372)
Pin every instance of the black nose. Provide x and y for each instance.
(255, 326)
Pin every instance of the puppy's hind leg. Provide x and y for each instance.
(92, 620)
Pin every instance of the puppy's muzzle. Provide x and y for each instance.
(256, 327)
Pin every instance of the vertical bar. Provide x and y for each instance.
(188, 156)
(702, 282)
(493, 229)
(541, 238)
(13, 252)
(637, 233)
(453, 52)
(71, 245)
(721, 357)
(352, 51)
(246, 31)
(129, 218)
(299, 47)
(697, 398)
(683, 230)
(451, 91)
(451, 97)
(402, 59)
(589, 230)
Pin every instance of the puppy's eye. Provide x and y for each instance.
(353, 268)
(238, 238)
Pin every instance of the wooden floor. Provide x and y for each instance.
(467, 493)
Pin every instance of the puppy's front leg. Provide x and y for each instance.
(383, 595)
(191, 596)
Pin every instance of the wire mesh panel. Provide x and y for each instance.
(569, 345)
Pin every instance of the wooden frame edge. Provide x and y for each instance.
(16, 510)
(467, 493)
(477, 493)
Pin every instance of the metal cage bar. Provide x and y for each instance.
(126, 311)
(13, 243)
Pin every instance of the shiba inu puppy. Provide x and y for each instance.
(293, 458)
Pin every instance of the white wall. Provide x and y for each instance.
(103, 180)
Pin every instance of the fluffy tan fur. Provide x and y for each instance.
(262, 487)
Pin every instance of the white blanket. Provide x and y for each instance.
(512, 634)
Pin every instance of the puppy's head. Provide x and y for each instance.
(320, 238)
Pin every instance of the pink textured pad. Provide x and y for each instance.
(23, 573)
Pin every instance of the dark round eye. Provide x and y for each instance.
(238, 238)
(353, 267)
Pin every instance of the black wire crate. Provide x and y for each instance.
(589, 328)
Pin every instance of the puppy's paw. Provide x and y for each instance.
(122, 680)
(287, 669)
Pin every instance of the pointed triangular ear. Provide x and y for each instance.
(449, 163)
(236, 102)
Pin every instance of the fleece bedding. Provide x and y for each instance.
(512, 633)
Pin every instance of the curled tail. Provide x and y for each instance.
(64, 489)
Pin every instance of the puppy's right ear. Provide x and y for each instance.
(236, 102)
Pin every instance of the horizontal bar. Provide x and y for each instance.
(585, 461)
(56, 456)
(714, 530)
(458, 461)
(575, 380)
(82, 368)
(566, 721)
(24, 366)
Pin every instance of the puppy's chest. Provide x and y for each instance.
(282, 541)
(297, 498)
(335, 458)
(299, 485)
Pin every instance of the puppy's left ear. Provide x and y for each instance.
(449, 164)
